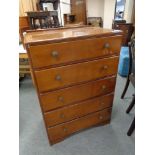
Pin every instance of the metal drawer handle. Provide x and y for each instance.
(103, 87)
(100, 117)
(61, 99)
(55, 54)
(58, 77)
(62, 116)
(106, 45)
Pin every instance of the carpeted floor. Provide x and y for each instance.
(104, 140)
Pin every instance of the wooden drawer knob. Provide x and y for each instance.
(61, 98)
(55, 54)
(103, 87)
(58, 77)
(105, 67)
(100, 117)
(106, 45)
(62, 116)
(102, 103)
(65, 129)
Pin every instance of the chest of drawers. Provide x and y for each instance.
(127, 29)
(74, 73)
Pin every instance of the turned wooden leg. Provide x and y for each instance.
(131, 105)
(40, 23)
(125, 88)
(132, 127)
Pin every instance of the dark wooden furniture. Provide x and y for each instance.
(95, 21)
(69, 19)
(131, 78)
(75, 72)
(44, 18)
(78, 8)
(127, 29)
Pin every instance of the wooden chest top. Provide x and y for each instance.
(66, 34)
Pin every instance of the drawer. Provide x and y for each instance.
(78, 110)
(59, 53)
(59, 132)
(66, 96)
(122, 26)
(60, 77)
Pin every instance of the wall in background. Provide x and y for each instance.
(26, 5)
(106, 10)
(30, 5)
(133, 14)
(95, 8)
(102, 8)
(129, 9)
(65, 8)
(109, 12)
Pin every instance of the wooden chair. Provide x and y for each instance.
(131, 74)
(132, 126)
(131, 78)
(46, 19)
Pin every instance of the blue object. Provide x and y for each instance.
(123, 67)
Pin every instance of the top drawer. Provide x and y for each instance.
(59, 53)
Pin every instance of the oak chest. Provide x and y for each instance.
(74, 71)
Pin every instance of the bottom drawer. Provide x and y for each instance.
(59, 132)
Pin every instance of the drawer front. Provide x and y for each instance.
(78, 110)
(72, 74)
(59, 132)
(122, 27)
(57, 53)
(66, 96)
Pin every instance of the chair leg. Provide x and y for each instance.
(132, 127)
(20, 80)
(131, 105)
(125, 88)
